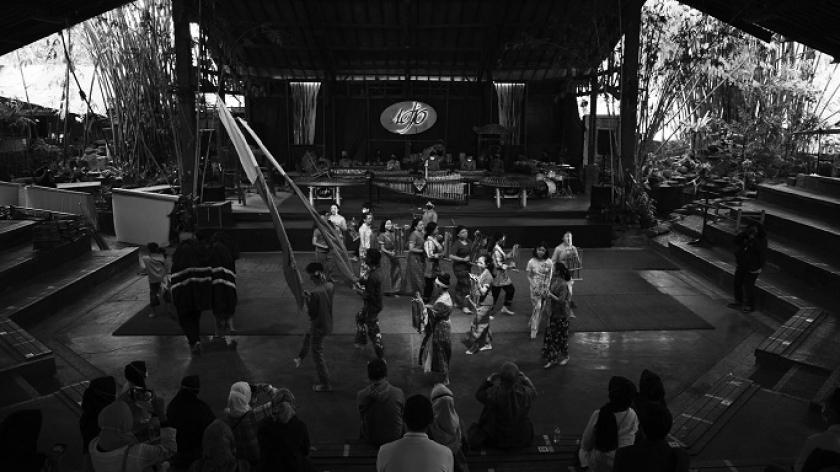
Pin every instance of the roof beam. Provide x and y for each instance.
(493, 44)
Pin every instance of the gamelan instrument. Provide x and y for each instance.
(447, 187)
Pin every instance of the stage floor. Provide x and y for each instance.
(567, 395)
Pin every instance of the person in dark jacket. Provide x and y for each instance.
(507, 406)
(381, 406)
(283, 437)
(223, 265)
(319, 304)
(100, 393)
(653, 454)
(192, 287)
(190, 416)
(750, 253)
(369, 288)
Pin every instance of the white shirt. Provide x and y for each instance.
(628, 424)
(415, 452)
(365, 233)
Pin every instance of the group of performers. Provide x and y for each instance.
(434, 298)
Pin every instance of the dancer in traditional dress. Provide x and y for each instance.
(556, 345)
(433, 251)
(459, 253)
(367, 319)
(323, 254)
(501, 279)
(539, 276)
(480, 337)
(390, 263)
(416, 258)
(436, 349)
(319, 304)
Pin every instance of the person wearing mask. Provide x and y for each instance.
(190, 416)
(319, 303)
(611, 427)
(750, 255)
(380, 406)
(116, 447)
(101, 392)
(415, 452)
(506, 418)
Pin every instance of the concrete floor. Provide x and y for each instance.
(688, 362)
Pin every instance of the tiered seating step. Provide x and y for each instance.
(355, 454)
(742, 465)
(818, 183)
(24, 356)
(22, 262)
(15, 232)
(790, 336)
(36, 300)
(805, 201)
(72, 394)
(705, 417)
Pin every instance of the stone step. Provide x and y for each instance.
(21, 263)
(802, 381)
(36, 300)
(22, 354)
(15, 232)
(801, 200)
(706, 416)
(819, 184)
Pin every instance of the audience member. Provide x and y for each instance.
(345, 160)
(381, 406)
(218, 451)
(138, 396)
(156, 267)
(651, 388)
(101, 392)
(611, 427)
(189, 415)
(116, 448)
(284, 438)
(497, 165)
(505, 420)
(192, 288)
(828, 440)
(393, 163)
(19, 434)
(468, 163)
(653, 454)
(446, 427)
(244, 420)
(415, 452)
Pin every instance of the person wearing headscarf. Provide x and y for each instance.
(284, 438)
(436, 349)
(446, 427)
(415, 258)
(19, 434)
(244, 419)
(223, 267)
(218, 451)
(506, 418)
(116, 447)
(101, 392)
(192, 288)
(189, 415)
(612, 426)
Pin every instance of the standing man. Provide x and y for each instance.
(319, 303)
(367, 319)
(750, 251)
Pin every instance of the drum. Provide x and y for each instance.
(540, 176)
(551, 174)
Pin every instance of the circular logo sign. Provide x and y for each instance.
(408, 117)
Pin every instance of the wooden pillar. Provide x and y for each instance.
(631, 22)
(186, 96)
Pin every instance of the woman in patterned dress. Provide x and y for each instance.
(480, 337)
(539, 276)
(501, 279)
(433, 251)
(436, 349)
(556, 345)
(390, 262)
(415, 259)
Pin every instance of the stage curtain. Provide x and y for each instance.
(305, 99)
(510, 110)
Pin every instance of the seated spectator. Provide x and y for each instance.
(467, 162)
(433, 162)
(45, 177)
(446, 427)
(244, 420)
(651, 391)
(19, 434)
(506, 420)
(138, 396)
(116, 448)
(381, 406)
(284, 438)
(497, 164)
(189, 415)
(100, 393)
(611, 427)
(828, 440)
(393, 163)
(345, 160)
(653, 454)
(415, 451)
(218, 451)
